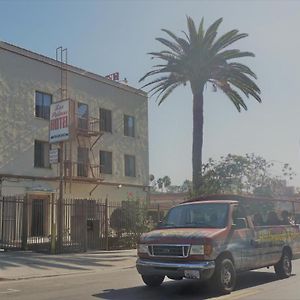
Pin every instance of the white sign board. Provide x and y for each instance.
(59, 122)
(53, 156)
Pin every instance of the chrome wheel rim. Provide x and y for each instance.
(226, 276)
(286, 265)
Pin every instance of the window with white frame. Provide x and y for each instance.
(42, 105)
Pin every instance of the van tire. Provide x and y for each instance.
(283, 268)
(153, 280)
(224, 277)
(175, 277)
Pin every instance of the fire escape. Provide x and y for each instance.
(81, 164)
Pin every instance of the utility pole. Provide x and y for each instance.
(60, 199)
(62, 56)
(2, 216)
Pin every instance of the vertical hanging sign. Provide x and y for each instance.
(59, 122)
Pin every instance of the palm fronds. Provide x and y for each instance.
(200, 57)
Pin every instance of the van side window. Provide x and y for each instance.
(257, 219)
(239, 218)
(287, 218)
(272, 218)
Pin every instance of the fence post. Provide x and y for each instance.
(85, 219)
(2, 210)
(53, 227)
(2, 220)
(25, 223)
(106, 224)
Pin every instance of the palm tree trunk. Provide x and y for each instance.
(197, 138)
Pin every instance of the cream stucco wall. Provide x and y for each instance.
(20, 77)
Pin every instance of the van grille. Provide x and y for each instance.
(169, 250)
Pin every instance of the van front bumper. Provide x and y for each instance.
(174, 269)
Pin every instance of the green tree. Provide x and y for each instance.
(200, 58)
(152, 183)
(130, 220)
(245, 174)
(186, 186)
(161, 183)
(166, 181)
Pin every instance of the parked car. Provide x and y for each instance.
(215, 240)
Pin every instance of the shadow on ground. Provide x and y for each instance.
(10, 260)
(185, 289)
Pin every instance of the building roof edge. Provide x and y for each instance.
(45, 59)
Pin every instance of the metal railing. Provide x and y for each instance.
(29, 223)
(82, 170)
(87, 125)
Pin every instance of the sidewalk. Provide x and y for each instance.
(24, 265)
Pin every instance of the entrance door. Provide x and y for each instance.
(37, 221)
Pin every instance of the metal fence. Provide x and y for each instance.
(31, 223)
(11, 222)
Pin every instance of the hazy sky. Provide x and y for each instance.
(108, 36)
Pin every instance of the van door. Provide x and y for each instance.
(241, 243)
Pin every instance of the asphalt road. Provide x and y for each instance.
(125, 284)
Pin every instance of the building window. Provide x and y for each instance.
(128, 125)
(82, 161)
(105, 120)
(41, 154)
(42, 105)
(82, 115)
(105, 162)
(129, 165)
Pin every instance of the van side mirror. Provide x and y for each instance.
(159, 224)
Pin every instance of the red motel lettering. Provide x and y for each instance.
(59, 123)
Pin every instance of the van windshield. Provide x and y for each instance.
(202, 215)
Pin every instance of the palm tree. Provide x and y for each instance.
(199, 58)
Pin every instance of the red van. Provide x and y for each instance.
(214, 240)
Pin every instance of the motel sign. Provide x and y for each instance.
(59, 121)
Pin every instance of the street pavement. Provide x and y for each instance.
(117, 279)
(25, 265)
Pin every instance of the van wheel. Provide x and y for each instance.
(153, 280)
(224, 277)
(283, 268)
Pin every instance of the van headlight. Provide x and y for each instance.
(197, 250)
(143, 248)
